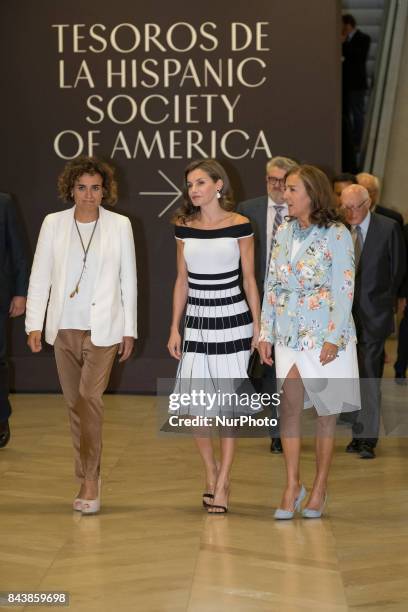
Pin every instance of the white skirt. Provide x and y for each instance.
(331, 388)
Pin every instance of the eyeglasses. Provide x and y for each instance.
(352, 208)
(276, 182)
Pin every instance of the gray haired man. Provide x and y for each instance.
(266, 213)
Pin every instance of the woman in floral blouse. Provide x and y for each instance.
(306, 315)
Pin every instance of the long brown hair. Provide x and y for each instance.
(322, 199)
(187, 211)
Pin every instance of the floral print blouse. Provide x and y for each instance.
(308, 297)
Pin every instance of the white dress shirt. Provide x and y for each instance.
(363, 226)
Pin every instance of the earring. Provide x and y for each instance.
(218, 194)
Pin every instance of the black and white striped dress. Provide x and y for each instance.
(218, 324)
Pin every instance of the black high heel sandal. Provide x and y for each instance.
(206, 504)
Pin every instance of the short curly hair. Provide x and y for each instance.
(87, 165)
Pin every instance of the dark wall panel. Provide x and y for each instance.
(192, 83)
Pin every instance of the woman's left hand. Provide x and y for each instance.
(126, 348)
(328, 353)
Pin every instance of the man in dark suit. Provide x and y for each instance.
(340, 182)
(401, 364)
(13, 292)
(372, 184)
(266, 213)
(355, 49)
(380, 268)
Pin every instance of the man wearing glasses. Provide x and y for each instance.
(266, 214)
(380, 267)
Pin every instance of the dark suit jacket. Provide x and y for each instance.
(391, 214)
(355, 53)
(256, 210)
(403, 291)
(378, 278)
(396, 216)
(13, 261)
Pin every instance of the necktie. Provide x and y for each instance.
(276, 223)
(278, 219)
(358, 243)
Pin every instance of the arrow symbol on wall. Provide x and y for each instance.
(176, 193)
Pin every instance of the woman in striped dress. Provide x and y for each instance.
(220, 327)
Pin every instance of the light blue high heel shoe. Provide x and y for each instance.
(285, 515)
(77, 504)
(311, 514)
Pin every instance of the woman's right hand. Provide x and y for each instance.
(34, 341)
(265, 352)
(174, 344)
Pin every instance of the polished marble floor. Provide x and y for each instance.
(154, 549)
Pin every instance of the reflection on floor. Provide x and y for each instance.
(153, 548)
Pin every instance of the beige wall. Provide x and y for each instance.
(395, 187)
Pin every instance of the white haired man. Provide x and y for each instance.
(380, 268)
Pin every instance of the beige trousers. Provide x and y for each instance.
(84, 370)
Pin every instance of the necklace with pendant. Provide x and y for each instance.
(85, 250)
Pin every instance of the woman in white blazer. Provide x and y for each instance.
(85, 270)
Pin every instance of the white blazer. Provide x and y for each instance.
(114, 300)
